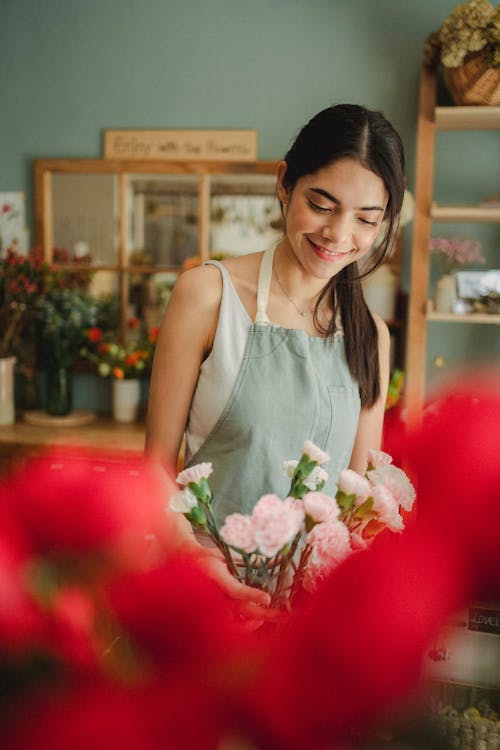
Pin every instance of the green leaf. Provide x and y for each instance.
(201, 491)
(304, 467)
(365, 510)
(344, 501)
(197, 517)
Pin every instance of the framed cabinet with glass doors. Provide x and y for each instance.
(137, 225)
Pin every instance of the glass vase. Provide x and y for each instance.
(7, 410)
(59, 391)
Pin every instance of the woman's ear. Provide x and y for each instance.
(280, 187)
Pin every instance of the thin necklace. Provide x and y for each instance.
(305, 314)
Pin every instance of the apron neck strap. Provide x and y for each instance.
(264, 285)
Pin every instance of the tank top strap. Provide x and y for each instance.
(230, 294)
(264, 285)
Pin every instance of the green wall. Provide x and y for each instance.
(70, 69)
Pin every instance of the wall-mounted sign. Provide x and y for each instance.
(181, 145)
(484, 620)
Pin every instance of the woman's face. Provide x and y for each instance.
(333, 216)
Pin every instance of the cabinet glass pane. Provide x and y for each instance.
(85, 215)
(148, 297)
(245, 214)
(163, 219)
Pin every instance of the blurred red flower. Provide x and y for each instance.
(72, 502)
(94, 334)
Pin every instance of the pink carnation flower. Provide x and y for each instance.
(289, 468)
(275, 523)
(352, 483)
(238, 532)
(397, 482)
(330, 545)
(316, 477)
(315, 453)
(386, 507)
(320, 507)
(194, 474)
(264, 506)
(182, 502)
(297, 506)
(379, 458)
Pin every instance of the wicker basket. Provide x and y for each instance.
(474, 82)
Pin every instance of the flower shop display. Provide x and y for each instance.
(286, 545)
(112, 636)
(467, 46)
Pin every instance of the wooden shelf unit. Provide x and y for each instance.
(430, 119)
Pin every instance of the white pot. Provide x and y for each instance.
(7, 410)
(445, 294)
(126, 400)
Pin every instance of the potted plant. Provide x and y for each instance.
(467, 45)
(124, 364)
(62, 317)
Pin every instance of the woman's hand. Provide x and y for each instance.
(252, 604)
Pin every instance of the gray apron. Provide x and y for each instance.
(291, 387)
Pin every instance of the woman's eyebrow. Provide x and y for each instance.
(332, 198)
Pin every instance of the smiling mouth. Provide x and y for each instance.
(330, 254)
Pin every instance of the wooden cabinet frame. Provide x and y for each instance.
(45, 168)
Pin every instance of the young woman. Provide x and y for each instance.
(263, 351)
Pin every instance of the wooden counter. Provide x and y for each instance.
(21, 439)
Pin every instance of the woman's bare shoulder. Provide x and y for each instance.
(243, 266)
(201, 285)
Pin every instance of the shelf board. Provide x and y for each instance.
(467, 118)
(478, 213)
(441, 317)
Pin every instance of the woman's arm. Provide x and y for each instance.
(371, 420)
(185, 340)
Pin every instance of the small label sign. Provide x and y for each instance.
(181, 145)
(484, 620)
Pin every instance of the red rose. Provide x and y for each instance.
(153, 334)
(132, 359)
(94, 334)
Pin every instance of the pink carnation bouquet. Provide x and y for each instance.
(290, 544)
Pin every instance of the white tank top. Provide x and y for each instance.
(219, 371)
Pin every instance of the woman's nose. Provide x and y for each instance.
(336, 228)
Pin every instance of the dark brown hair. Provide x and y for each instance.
(352, 131)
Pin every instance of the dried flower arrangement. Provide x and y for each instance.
(472, 27)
